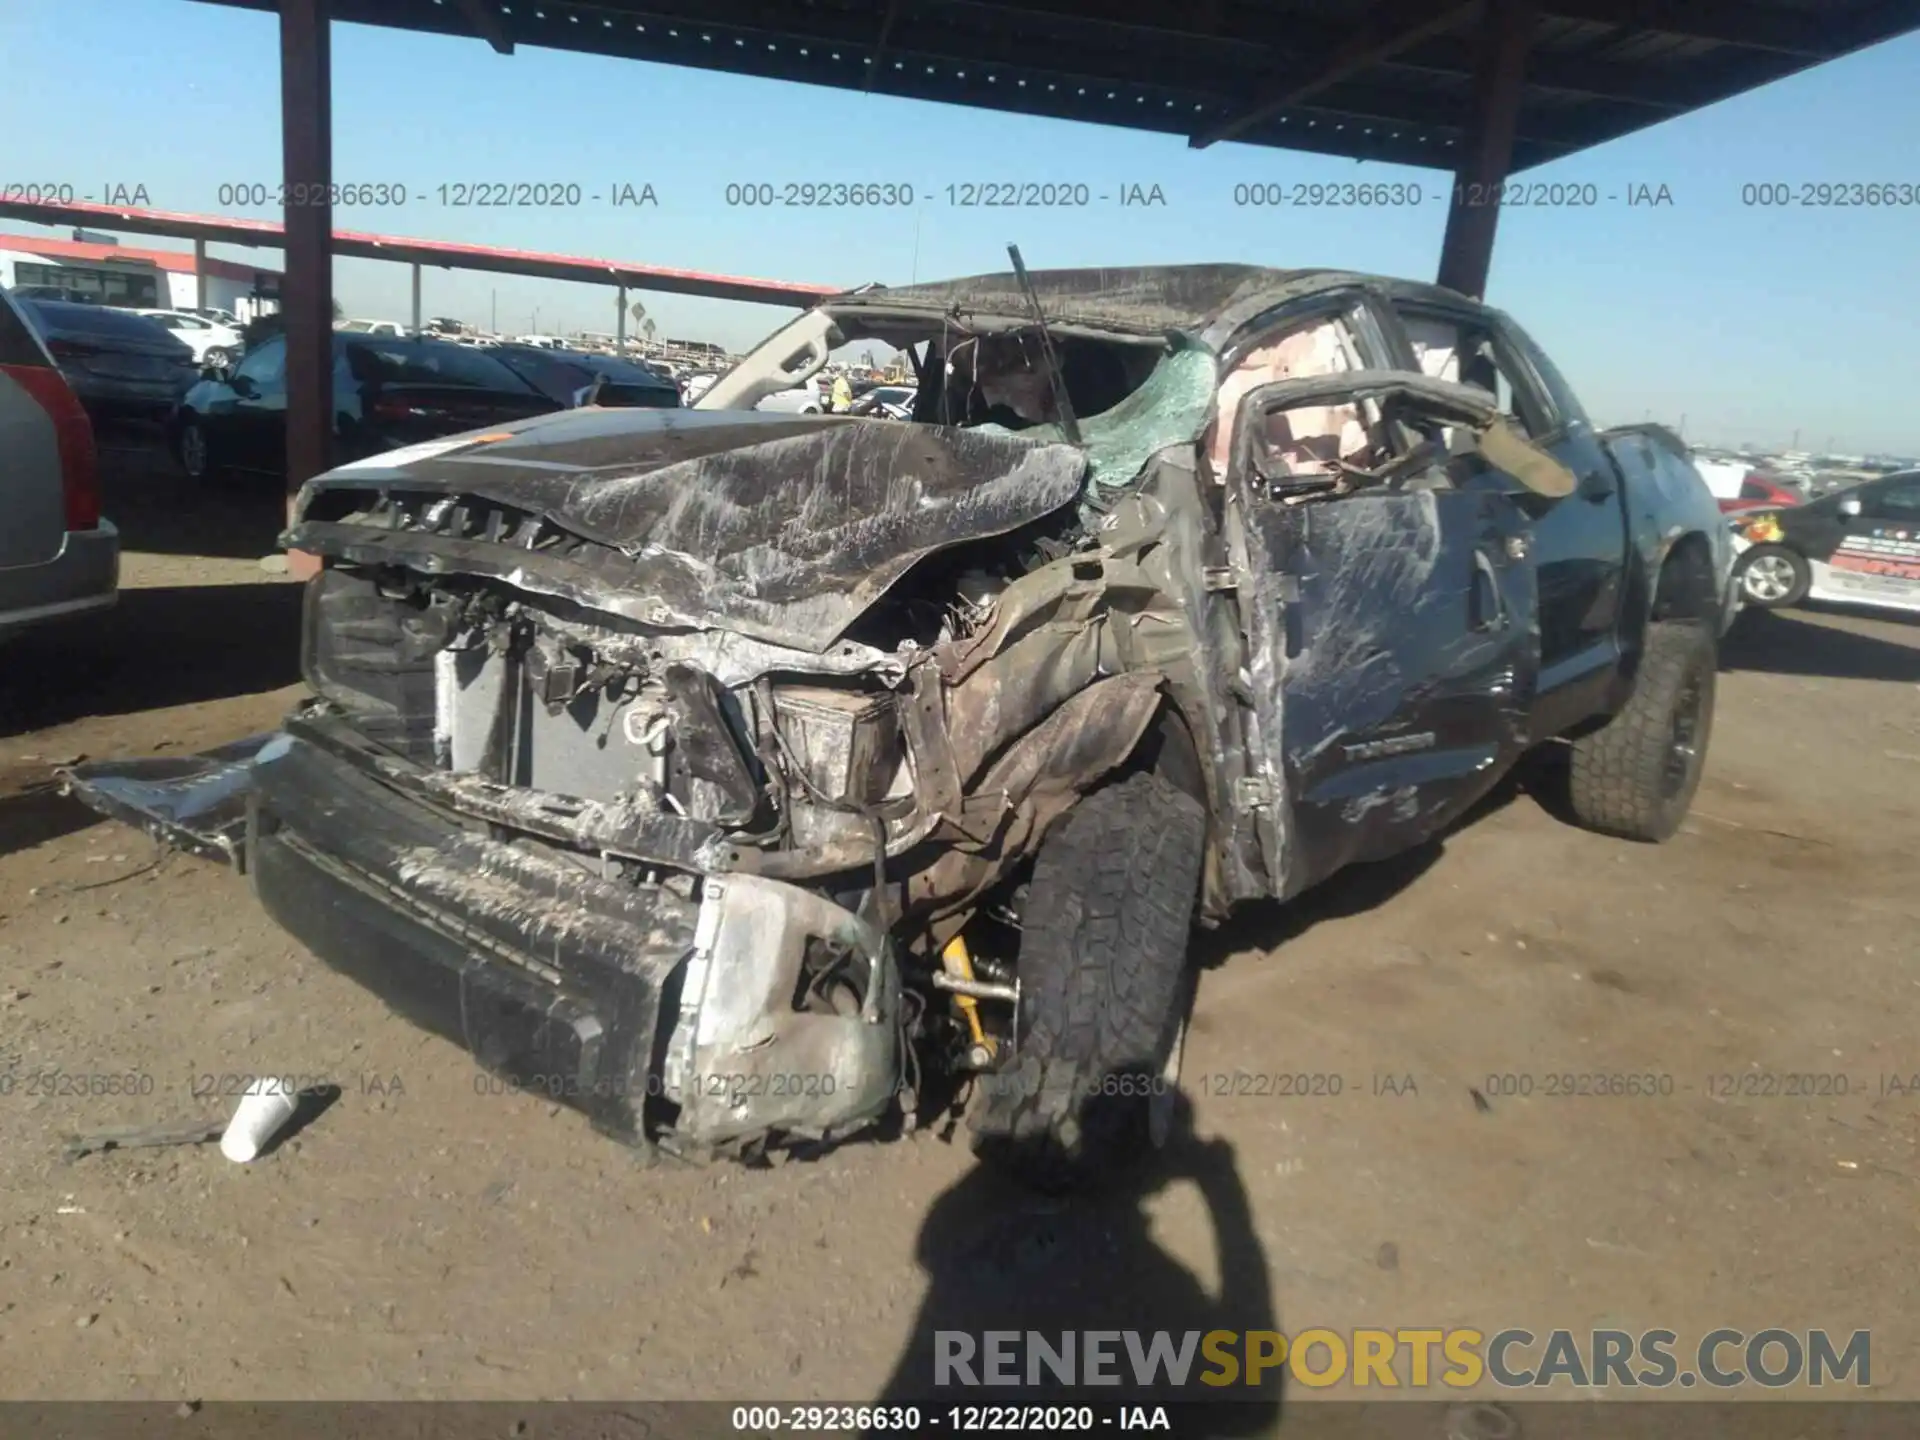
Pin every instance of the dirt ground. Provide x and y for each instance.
(420, 1239)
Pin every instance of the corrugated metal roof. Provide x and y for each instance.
(1193, 66)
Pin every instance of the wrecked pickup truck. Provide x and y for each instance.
(744, 780)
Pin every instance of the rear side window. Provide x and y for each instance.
(1469, 351)
(626, 372)
(401, 362)
(653, 397)
(1897, 501)
(554, 378)
(1558, 391)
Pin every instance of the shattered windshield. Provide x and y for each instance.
(1171, 407)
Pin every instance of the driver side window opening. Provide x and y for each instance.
(1322, 345)
(1313, 449)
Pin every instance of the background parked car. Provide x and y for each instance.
(804, 399)
(386, 394)
(58, 557)
(123, 366)
(889, 402)
(1858, 546)
(574, 378)
(211, 343)
(1759, 492)
(391, 329)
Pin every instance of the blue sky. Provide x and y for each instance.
(1750, 323)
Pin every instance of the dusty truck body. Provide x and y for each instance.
(741, 779)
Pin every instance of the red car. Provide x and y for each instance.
(1757, 493)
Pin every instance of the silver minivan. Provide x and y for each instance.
(58, 556)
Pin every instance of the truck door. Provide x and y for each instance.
(1390, 606)
(1578, 542)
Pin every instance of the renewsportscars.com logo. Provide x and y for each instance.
(1400, 1359)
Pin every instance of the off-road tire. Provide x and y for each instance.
(1103, 985)
(1635, 776)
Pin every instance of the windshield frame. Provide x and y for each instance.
(798, 351)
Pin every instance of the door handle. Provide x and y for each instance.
(1487, 607)
(1596, 488)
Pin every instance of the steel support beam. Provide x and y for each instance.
(486, 24)
(620, 325)
(199, 274)
(306, 291)
(1473, 213)
(416, 297)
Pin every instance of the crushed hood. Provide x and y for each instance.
(783, 527)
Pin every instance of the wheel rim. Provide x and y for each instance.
(1683, 737)
(1768, 579)
(193, 451)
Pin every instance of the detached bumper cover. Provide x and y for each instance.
(666, 1017)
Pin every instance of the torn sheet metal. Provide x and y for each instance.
(789, 1019)
(196, 803)
(786, 532)
(144, 1137)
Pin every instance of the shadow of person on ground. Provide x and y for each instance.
(1777, 643)
(999, 1257)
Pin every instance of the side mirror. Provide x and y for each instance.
(1850, 507)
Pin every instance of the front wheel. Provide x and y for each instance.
(1772, 577)
(1104, 988)
(1635, 776)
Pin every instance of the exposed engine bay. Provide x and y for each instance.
(901, 776)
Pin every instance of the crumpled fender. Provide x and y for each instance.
(1038, 779)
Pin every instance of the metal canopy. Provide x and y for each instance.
(1391, 81)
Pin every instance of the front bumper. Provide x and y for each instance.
(668, 1013)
